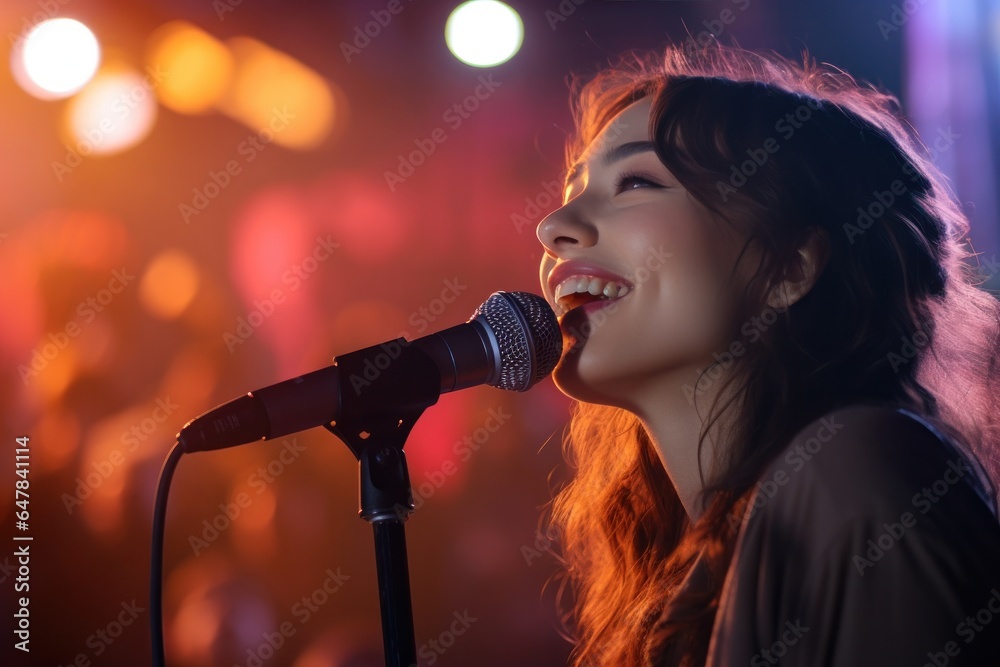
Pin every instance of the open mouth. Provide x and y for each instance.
(587, 292)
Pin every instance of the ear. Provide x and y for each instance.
(803, 271)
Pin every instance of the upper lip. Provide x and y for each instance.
(571, 268)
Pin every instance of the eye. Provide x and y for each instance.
(629, 181)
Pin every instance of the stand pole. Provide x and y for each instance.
(394, 594)
(386, 502)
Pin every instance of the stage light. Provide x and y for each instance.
(196, 67)
(484, 33)
(114, 112)
(58, 57)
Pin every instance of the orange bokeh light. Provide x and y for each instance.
(197, 68)
(169, 284)
(277, 96)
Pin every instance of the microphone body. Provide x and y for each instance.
(511, 342)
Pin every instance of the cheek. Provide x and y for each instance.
(688, 297)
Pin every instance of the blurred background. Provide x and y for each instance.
(203, 197)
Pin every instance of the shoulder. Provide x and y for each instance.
(871, 435)
(867, 529)
(866, 462)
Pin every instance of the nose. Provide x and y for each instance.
(565, 228)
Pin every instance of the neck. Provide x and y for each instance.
(674, 423)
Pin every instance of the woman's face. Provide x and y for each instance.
(627, 219)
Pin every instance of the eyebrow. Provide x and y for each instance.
(612, 155)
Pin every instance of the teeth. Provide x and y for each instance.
(608, 289)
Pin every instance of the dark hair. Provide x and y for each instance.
(778, 151)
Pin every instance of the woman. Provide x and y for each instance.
(786, 374)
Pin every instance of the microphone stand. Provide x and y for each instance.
(386, 499)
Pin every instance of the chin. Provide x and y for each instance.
(582, 380)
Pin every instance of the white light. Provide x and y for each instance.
(484, 33)
(58, 58)
(115, 112)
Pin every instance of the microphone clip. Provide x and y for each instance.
(378, 376)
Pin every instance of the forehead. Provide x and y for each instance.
(630, 124)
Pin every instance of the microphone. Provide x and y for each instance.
(511, 342)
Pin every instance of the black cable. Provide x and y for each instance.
(156, 556)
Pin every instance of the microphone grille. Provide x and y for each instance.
(527, 335)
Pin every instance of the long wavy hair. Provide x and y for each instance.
(897, 317)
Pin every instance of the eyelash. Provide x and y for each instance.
(627, 176)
